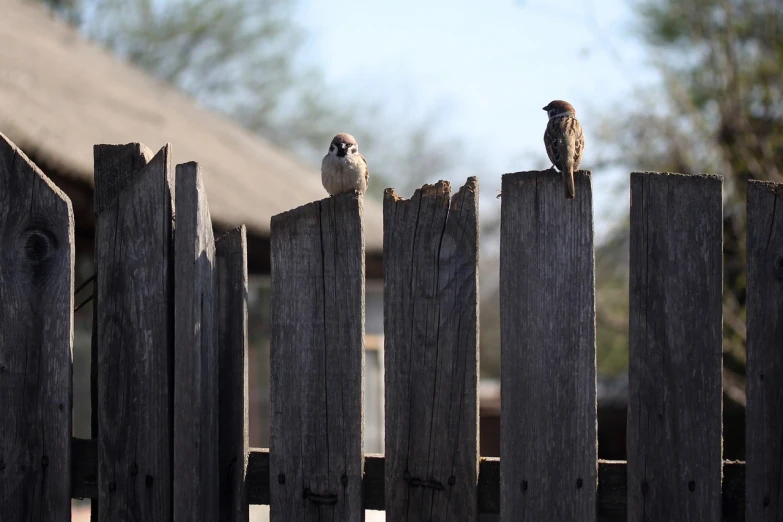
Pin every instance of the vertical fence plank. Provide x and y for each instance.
(675, 401)
(134, 223)
(431, 353)
(316, 360)
(196, 481)
(548, 464)
(764, 414)
(231, 256)
(36, 332)
(124, 163)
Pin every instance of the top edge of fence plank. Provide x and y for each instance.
(11, 148)
(115, 166)
(701, 175)
(442, 187)
(338, 199)
(773, 186)
(535, 173)
(233, 240)
(36, 335)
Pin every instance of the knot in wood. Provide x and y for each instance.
(38, 244)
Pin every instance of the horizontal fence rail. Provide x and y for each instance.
(169, 375)
(611, 496)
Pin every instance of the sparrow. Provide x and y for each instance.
(344, 169)
(564, 142)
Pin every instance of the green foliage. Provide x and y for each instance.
(720, 111)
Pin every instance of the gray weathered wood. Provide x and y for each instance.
(36, 332)
(764, 413)
(431, 353)
(231, 257)
(122, 164)
(196, 480)
(134, 225)
(316, 361)
(675, 401)
(548, 441)
(611, 483)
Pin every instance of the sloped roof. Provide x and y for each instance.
(60, 95)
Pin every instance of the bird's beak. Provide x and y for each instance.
(545, 108)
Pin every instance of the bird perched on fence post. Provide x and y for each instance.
(564, 141)
(344, 169)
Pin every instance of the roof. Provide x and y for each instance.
(60, 95)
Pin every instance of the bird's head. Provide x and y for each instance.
(343, 144)
(559, 108)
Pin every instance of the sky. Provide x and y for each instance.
(488, 67)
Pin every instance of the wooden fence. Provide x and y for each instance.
(170, 355)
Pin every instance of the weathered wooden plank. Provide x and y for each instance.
(135, 333)
(36, 333)
(764, 413)
(122, 163)
(547, 305)
(611, 483)
(316, 361)
(196, 480)
(675, 401)
(231, 255)
(431, 353)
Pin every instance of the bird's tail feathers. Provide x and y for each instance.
(568, 182)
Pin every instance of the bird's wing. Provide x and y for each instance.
(366, 170)
(579, 145)
(551, 144)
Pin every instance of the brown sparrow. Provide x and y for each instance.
(344, 169)
(564, 141)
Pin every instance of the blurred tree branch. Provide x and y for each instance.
(720, 111)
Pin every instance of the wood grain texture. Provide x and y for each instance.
(196, 479)
(547, 306)
(431, 353)
(231, 256)
(764, 413)
(135, 286)
(675, 388)
(121, 163)
(36, 334)
(317, 361)
(612, 493)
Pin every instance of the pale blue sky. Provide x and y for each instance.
(488, 65)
